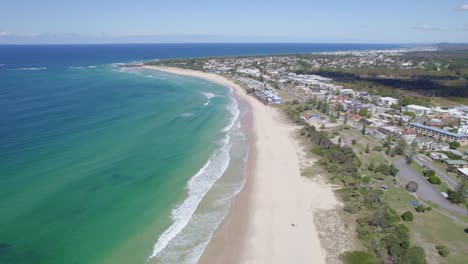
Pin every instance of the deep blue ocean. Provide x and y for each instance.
(104, 164)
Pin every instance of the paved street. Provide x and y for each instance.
(422, 160)
(426, 190)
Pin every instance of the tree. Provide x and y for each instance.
(363, 131)
(339, 142)
(392, 170)
(454, 145)
(407, 216)
(412, 186)
(429, 173)
(459, 195)
(443, 250)
(435, 180)
(346, 118)
(420, 208)
(367, 148)
(353, 142)
(400, 147)
(400, 122)
(414, 255)
(409, 159)
(364, 112)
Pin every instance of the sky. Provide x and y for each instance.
(169, 21)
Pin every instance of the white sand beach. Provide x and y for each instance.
(272, 219)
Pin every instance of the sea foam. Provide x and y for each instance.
(31, 69)
(234, 110)
(208, 96)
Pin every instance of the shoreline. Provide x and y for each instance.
(272, 219)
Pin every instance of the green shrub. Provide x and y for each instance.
(414, 255)
(466, 230)
(420, 208)
(351, 208)
(377, 148)
(443, 250)
(407, 216)
(428, 208)
(358, 257)
(435, 180)
(353, 142)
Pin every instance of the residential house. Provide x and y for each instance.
(388, 101)
(438, 156)
(417, 109)
(459, 164)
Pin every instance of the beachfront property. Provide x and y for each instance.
(268, 97)
(249, 71)
(438, 134)
(459, 164)
(417, 109)
(388, 101)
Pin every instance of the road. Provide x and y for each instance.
(424, 162)
(426, 190)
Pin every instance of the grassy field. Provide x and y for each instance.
(449, 101)
(431, 228)
(428, 229)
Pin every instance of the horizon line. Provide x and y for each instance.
(238, 42)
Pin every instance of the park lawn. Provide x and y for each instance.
(348, 135)
(431, 228)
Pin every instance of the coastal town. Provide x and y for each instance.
(381, 132)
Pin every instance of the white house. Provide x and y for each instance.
(463, 129)
(417, 109)
(346, 91)
(388, 101)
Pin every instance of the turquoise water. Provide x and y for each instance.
(91, 169)
(102, 164)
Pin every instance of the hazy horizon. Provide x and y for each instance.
(209, 21)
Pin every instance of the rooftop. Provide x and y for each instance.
(448, 133)
(456, 162)
(464, 171)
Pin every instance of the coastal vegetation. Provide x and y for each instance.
(377, 224)
(384, 225)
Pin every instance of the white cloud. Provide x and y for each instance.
(3, 33)
(463, 8)
(428, 28)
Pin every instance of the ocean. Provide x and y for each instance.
(105, 164)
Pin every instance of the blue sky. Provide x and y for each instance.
(118, 21)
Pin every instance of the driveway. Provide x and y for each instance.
(426, 190)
